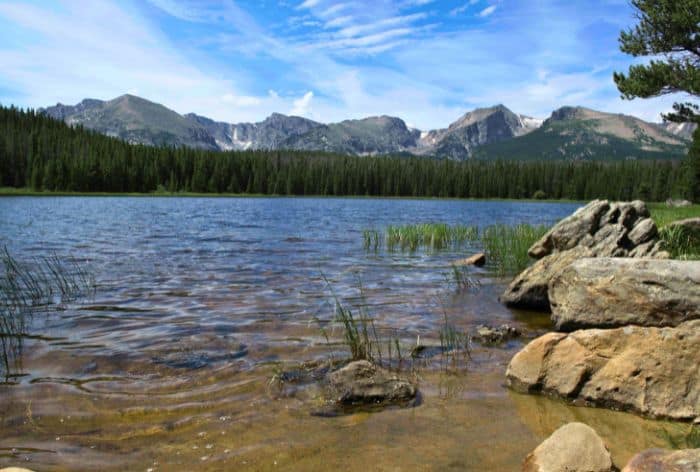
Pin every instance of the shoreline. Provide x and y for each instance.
(24, 192)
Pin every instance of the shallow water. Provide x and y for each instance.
(201, 301)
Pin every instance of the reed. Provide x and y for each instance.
(454, 343)
(30, 288)
(433, 236)
(461, 278)
(372, 239)
(507, 246)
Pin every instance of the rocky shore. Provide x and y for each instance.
(627, 321)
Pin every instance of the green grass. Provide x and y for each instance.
(662, 214)
(28, 288)
(506, 246)
(433, 236)
(682, 244)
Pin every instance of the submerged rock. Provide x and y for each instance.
(612, 292)
(600, 229)
(652, 371)
(575, 447)
(498, 335)
(654, 460)
(364, 383)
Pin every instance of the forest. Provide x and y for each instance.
(44, 154)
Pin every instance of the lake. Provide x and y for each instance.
(200, 302)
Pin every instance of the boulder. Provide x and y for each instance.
(613, 292)
(572, 448)
(530, 288)
(654, 460)
(599, 229)
(651, 371)
(363, 383)
(478, 259)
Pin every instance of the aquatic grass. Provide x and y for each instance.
(30, 288)
(453, 343)
(360, 333)
(372, 239)
(433, 236)
(461, 278)
(506, 246)
(680, 242)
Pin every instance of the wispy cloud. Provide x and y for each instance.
(487, 11)
(326, 59)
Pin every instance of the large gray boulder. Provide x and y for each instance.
(613, 292)
(600, 229)
(657, 460)
(651, 371)
(364, 383)
(575, 447)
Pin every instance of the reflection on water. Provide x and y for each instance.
(201, 301)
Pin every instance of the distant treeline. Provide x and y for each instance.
(45, 154)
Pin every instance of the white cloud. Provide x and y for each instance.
(487, 11)
(302, 106)
(241, 100)
(456, 11)
(308, 4)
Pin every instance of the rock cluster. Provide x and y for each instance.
(638, 318)
(600, 229)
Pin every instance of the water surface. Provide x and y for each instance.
(200, 301)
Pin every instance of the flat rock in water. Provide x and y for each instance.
(364, 383)
(600, 229)
(478, 260)
(652, 371)
(655, 460)
(613, 292)
(575, 447)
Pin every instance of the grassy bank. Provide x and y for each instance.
(663, 214)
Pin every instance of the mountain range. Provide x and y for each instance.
(487, 133)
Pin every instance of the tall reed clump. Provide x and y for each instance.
(30, 288)
(372, 239)
(433, 236)
(681, 242)
(454, 343)
(507, 246)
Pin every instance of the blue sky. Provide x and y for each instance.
(427, 61)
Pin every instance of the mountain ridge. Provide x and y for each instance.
(495, 132)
